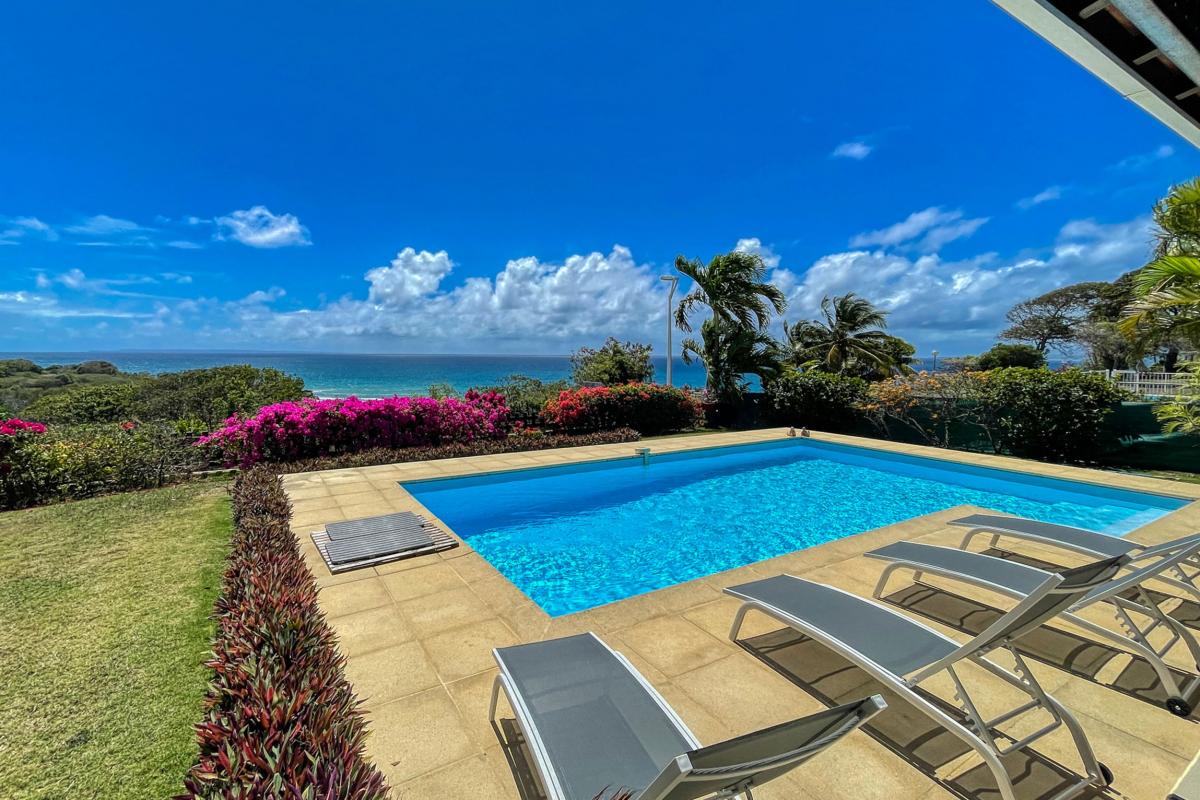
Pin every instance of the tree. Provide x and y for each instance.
(1182, 414)
(613, 364)
(733, 288)
(729, 351)
(847, 339)
(1010, 355)
(733, 340)
(1167, 290)
(1050, 320)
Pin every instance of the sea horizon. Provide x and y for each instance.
(367, 375)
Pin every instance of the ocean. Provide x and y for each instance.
(342, 374)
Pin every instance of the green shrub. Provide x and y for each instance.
(527, 396)
(615, 363)
(1011, 355)
(821, 400)
(215, 394)
(99, 402)
(77, 461)
(1036, 413)
(281, 720)
(648, 408)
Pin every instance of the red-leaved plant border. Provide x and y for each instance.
(280, 720)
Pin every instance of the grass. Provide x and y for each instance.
(105, 606)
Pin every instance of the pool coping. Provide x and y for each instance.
(456, 602)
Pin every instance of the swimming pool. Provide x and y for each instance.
(578, 536)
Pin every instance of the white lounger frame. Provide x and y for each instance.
(978, 735)
(1135, 638)
(1185, 581)
(551, 786)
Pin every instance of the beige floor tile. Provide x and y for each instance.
(314, 504)
(860, 768)
(435, 613)
(306, 492)
(673, 644)
(467, 650)
(359, 496)
(358, 595)
(391, 673)
(417, 734)
(474, 568)
(473, 696)
(435, 577)
(471, 778)
(376, 508)
(369, 630)
(408, 563)
(744, 694)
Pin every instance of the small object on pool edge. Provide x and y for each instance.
(791, 432)
(804, 432)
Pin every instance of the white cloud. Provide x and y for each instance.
(927, 231)
(184, 244)
(857, 150)
(103, 225)
(959, 306)
(14, 228)
(1044, 196)
(528, 305)
(1143, 160)
(258, 227)
(754, 245)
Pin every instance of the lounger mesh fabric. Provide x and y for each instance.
(770, 752)
(997, 571)
(600, 727)
(892, 641)
(1081, 539)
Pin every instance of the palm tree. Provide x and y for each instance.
(1167, 290)
(734, 340)
(730, 350)
(848, 336)
(733, 287)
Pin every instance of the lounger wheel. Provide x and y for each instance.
(1105, 774)
(1179, 707)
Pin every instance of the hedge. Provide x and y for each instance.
(518, 442)
(71, 462)
(821, 400)
(280, 719)
(648, 408)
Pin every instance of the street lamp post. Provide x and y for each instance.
(674, 281)
(935, 355)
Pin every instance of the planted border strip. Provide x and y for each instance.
(281, 720)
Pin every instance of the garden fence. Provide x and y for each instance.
(1150, 384)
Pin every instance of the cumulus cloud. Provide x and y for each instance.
(959, 305)
(857, 150)
(258, 227)
(530, 304)
(754, 245)
(1044, 196)
(926, 231)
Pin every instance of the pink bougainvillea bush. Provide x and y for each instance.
(648, 408)
(309, 428)
(17, 427)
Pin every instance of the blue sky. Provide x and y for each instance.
(480, 177)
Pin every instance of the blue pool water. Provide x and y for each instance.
(578, 536)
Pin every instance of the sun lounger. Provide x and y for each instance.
(1125, 592)
(594, 726)
(403, 520)
(903, 654)
(1077, 540)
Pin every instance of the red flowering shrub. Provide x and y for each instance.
(281, 720)
(18, 427)
(648, 408)
(310, 427)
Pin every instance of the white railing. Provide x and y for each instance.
(1149, 384)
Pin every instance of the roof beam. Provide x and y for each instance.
(1151, 21)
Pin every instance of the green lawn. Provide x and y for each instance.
(104, 605)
